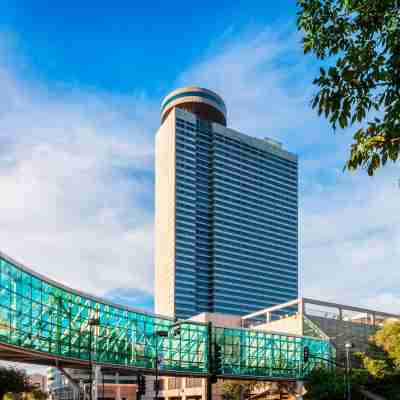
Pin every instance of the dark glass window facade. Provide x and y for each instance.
(236, 211)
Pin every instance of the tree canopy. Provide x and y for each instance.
(380, 373)
(236, 390)
(328, 384)
(12, 380)
(382, 361)
(358, 43)
(388, 338)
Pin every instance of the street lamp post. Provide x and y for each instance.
(348, 346)
(157, 334)
(92, 322)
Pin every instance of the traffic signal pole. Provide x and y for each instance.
(141, 386)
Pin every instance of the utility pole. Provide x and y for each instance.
(158, 334)
(348, 346)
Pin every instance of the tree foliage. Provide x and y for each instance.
(237, 390)
(328, 384)
(359, 81)
(388, 338)
(382, 361)
(383, 357)
(12, 380)
(37, 394)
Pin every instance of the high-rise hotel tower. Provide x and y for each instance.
(226, 213)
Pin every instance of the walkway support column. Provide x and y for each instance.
(96, 382)
(209, 362)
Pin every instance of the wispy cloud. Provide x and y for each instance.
(350, 224)
(76, 197)
(261, 76)
(77, 188)
(351, 240)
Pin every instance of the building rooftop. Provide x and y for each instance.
(202, 102)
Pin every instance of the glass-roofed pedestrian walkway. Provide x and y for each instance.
(44, 322)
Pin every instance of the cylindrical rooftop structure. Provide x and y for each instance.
(203, 102)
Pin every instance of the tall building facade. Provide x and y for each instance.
(226, 213)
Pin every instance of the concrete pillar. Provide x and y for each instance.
(75, 393)
(268, 317)
(118, 388)
(301, 307)
(300, 390)
(118, 393)
(96, 380)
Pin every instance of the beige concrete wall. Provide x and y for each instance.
(224, 320)
(291, 325)
(165, 217)
(117, 391)
(184, 392)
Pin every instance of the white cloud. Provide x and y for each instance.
(76, 166)
(350, 224)
(261, 77)
(389, 302)
(75, 192)
(351, 241)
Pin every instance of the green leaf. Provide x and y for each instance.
(307, 47)
(333, 72)
(362, 74)
(348, 75)
(315, 101)
(342, 121)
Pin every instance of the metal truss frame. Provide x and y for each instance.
(38, 315)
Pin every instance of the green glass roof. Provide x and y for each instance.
(42, 317)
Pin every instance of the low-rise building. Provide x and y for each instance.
(304, 317)
(39, 381)
(339, 323)
(73, 384)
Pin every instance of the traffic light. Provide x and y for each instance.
(141, 385)
(176, 330)
(306, 354)
(217, 359)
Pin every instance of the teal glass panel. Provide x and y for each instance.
(37, 314)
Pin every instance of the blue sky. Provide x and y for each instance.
(127, 46)
(81, 86)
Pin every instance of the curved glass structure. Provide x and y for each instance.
(41, 318)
